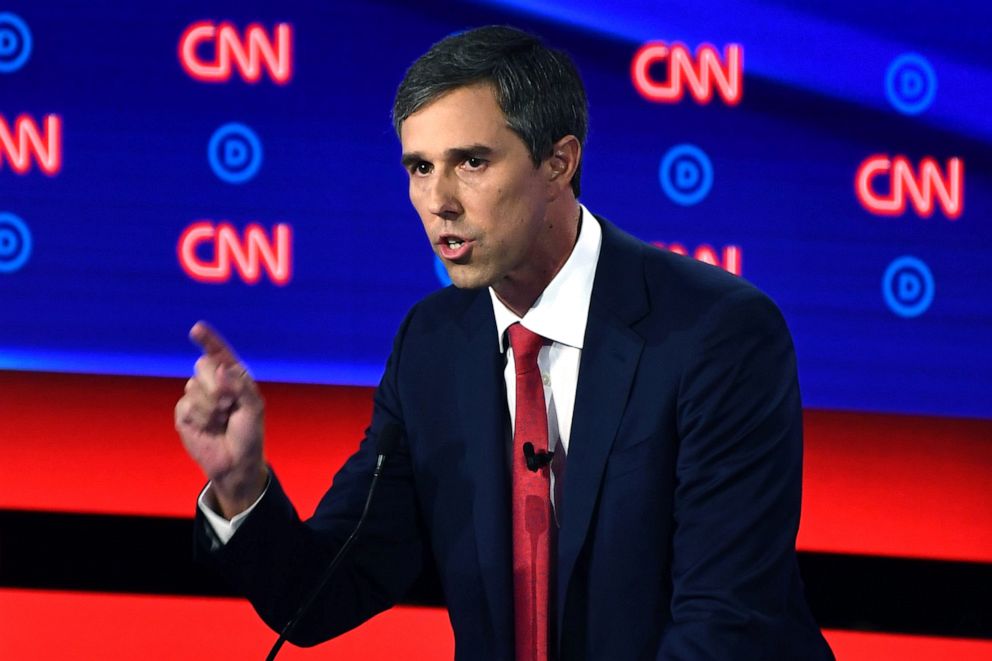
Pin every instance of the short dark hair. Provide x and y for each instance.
(537, 88)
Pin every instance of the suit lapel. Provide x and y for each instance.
(610, 355)
(481, 392)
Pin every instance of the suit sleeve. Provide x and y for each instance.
(737, 499)
(274, 559)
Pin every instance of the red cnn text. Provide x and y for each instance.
(26, 139)
(248, 255)
(925, 189)
(700, 74)
(249, 54)
(729, 260)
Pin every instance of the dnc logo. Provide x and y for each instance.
(15, 42)
(235, 153)
(686, 174)
(911, 83)
(908, 286)
(15, 242)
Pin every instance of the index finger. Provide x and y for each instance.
(212, 344)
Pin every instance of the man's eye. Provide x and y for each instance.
(422, 168)
(474, 163)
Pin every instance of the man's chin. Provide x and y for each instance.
(463, 280)
(469, 285)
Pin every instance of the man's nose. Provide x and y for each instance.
(443, 198)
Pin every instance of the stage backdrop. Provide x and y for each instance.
(164, 162)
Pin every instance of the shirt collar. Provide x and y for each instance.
(560, 312)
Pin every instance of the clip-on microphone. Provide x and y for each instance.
(536, 460)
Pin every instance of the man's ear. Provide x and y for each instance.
(563, 162)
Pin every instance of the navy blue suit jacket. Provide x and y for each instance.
(681, 500)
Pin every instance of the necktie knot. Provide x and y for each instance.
(526, 345)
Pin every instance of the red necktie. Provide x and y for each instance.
(531, 502)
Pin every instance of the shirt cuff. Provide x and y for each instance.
(222, 528)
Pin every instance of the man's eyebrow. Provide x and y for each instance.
(409, 159)
(453, 154)
(461, 153)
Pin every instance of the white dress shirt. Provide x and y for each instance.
(559, 315)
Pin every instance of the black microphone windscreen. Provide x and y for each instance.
(389, 437)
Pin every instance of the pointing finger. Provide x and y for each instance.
(212, 344)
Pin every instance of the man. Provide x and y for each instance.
(666, 387)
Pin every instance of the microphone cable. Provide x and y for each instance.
(387, 441)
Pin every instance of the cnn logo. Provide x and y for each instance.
(730, 260)
(925, 188)
(26, 142)
(701, 74)
(228, 253)
(250, 54)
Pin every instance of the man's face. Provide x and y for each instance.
(481, 199)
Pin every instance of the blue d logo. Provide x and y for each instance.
(686, 174)
(15, 42)
(235, 153)
(910, 83)
(15, 242)
(908, 286)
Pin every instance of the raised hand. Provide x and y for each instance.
(220, 420)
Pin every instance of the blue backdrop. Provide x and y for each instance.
(890, 313)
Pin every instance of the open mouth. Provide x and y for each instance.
(454, 248)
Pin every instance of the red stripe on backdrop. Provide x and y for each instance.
(65, 626)
(894, 485)
(909, 486)
(862, 646)
(106, 444)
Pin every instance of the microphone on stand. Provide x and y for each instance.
(389, 437)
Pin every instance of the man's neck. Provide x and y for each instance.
(519, 296)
